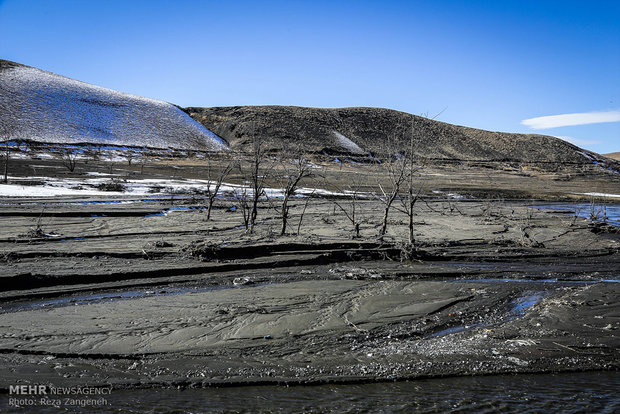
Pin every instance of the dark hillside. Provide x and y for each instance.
(322, 130)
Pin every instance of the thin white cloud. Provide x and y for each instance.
(555, 121)
(580, 142)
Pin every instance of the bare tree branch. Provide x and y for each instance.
(295, 167)
(69, 159)
(216, 176)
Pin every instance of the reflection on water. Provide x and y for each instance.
(610, 213)
(523, 304)
(520, 307)
(594, 392)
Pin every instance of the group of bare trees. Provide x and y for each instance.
(69, 158)
(286, 171)
(403, 189)
(249, 194)
(294, 168)
(396, 178)
(350, 206)
(216, 175)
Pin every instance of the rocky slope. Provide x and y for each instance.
(40, 106)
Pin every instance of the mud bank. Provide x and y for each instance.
(145, 292)
(315, 331)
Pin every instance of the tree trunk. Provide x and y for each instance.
(384, 222)
(210, 206)
(284, 216)
(284, 221)
(303, 212)
(253, 214)
(6, 164)
(386, 212)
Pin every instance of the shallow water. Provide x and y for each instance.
(609, 213)
(592, 392)
(81, 299)
(523, 304)
(519, 307)
(611, 279)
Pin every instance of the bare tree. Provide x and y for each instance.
(243, 199)
(395, 166)
(295, 167)
(412, 189)
(255, 174)
(69, 159)
(96, 152)
(7, 127)
(6, 161)
(350, 207)
(409, 200)
(216, 176)
(303, 211)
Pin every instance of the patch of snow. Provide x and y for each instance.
(454, 196)
(46, 166)
(19, 156)
(16, 190)
(308, 163)
(600, 195)
(318, 191)
(42, 155)
(348, 144)
(588, 156)
(51, 187)
(98, 174)
(113, 158)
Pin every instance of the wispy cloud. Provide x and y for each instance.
(580, 142)
(555, 121)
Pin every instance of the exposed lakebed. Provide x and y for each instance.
(142, 292)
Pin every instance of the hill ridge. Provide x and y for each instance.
(369, 128)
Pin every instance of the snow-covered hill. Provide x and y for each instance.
(41, 106)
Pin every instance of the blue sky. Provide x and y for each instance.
(486, 64)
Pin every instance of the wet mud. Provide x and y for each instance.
(145, 292)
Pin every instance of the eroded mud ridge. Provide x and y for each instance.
(140, 290)
(312, 331)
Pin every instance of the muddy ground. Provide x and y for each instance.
(144, 291)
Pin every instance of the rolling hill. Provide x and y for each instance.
(367, 130)
(41, 106)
